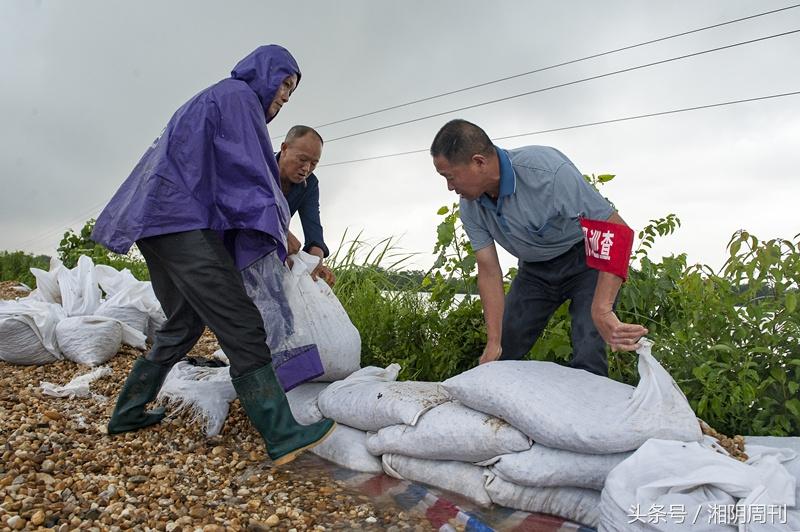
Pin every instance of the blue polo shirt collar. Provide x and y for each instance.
(508, 182)
(508, 185)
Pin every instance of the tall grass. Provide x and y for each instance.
(396, 323)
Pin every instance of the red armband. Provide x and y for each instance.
(608, 246)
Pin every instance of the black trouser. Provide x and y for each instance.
(197, 284)
(537, 291)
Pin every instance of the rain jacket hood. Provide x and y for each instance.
(264, 70)
(213, 167)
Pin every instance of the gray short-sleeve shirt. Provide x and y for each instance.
(536, 215)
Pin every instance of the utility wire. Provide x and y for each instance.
(560, 85)
(550, 67)
(40, 238)
(577, 126)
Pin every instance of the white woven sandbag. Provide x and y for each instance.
(279, 303)
(19, 344)
(113, 281)
(697, 478)
(337, 339)
(47, 289)
(542, 466)
(90, 340)
(303, 402)
(347, 447)
(28, 331)
(80, 293)
(371, 399)
(124, 291)
(450, 431)
(131, 316)
(572, 409)
(205, 392)
(575, 504)
(458, 477)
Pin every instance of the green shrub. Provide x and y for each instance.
(73, 245)
(16, 266)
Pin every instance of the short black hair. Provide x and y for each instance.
(459, 140)
(301, 131)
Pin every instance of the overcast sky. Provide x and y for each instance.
(87, 85)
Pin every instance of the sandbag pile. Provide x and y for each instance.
(82, 314)
(473, 435)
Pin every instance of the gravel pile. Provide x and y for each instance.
(60, 470)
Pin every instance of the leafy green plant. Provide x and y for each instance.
(16, 266)
(74, 244)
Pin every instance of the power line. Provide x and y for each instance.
(61, 227)
(550, 67)
(560, 85)
(586, 124)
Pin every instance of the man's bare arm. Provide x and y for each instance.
(620, 336)
(490, 287)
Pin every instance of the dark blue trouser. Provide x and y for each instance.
(197, 284)
(537, 291)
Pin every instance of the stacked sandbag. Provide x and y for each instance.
(441, 449)
(575, 410)
(458, 477)
(303, 402)
(372, 398)
(450, 431)
(347, 447)
(368, 400)
(576, 504)
(583, 426)
(67, 317)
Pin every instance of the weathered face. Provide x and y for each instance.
(282, 96)
(465, 179)
(300, 157)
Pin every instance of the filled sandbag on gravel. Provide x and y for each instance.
(28, 332)
(90, 340)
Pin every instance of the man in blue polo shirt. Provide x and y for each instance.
(300, 152)
(530, 200)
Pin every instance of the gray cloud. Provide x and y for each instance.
(86, 86)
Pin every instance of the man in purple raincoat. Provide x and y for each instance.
(203, 203)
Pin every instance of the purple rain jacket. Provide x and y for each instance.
(212, 167)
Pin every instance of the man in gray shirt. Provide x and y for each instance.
(530, 200)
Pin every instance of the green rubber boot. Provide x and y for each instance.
(265, 403)
(141, 387)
